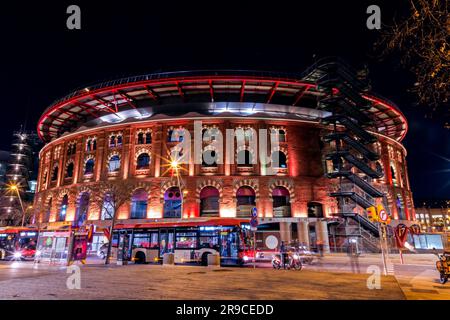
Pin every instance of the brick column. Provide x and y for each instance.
(322, 234)
(303, 232)
(127, 154)
(99, 155)
(285, 232)
(157, 148)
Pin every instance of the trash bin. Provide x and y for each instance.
(214, 260)
(168, 259)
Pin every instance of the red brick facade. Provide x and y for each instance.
(303, 178)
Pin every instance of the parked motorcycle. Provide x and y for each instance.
(293, 261)
(443, 266)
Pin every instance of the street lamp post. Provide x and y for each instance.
(175, 167)
(15, 188)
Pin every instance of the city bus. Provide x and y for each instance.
(18, 243)
(190, 242)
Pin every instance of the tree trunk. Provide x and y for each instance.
(108, 253)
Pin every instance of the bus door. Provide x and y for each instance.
(166, 241)
(229, 245)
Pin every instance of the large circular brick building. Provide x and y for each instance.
(128, 132)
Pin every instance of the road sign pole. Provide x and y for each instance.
(254, 249)
(382, 245)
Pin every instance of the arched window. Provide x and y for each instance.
(248, 135)
(114, 164)
(245, 200)
(48, 210)
(69, 170)
(400, 207)
(140, 138)
(172, 203)
(55, 173)
(88, 145)
(143, 161)
(175, 135)
(112, 141)
(281, 135)
(209, 201)
(89, 167)
(393, 174)
(74, 148)
(148, 138)
(279, 160)
(82, 210)
(244, 158)
(209, 158)
(108, 207)
(281, 202)
(119, 140)
(315, 210)
(139, 204)
(210, 134)
(63, 208)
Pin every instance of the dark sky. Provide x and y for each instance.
(41, 60)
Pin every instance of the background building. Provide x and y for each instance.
(21, 170)
(4, 157)
(433, 215)
(124, 130)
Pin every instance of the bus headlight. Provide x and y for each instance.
(38, 253)
(17, 255)
(245, 258)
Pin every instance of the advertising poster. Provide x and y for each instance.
(79, 249)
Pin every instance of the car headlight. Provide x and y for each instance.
(17, 255)
(38, 253)
(245, 258)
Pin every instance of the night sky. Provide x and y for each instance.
(42, 60)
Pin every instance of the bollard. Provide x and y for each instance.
(214, 260)
(168, 259)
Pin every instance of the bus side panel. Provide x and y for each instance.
(185, 255)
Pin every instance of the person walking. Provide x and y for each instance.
(320, 248)
(352, 253)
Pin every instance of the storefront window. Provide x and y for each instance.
(63, 209)
(172, 203)
(139, 204)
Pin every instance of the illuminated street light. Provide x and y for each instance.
(15, 188)
(174, 164)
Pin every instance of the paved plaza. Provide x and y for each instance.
(330, 278)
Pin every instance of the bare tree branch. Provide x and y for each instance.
(422, 40)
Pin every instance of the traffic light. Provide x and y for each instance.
(372, 214)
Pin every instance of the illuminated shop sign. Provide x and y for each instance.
(28, 234)
(208, 228)
(3, 235)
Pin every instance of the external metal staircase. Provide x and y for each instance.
(351, 154)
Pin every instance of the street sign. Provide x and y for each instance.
(254, 212)
(383, 215)
(254, 219)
